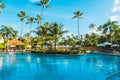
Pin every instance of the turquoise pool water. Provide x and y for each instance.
(52, 67)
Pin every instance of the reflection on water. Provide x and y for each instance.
(43, 67)
(29, 58)
(1, 63)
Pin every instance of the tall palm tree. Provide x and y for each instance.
(56, 30)
(100, 29)
(78, 15)
(22, 16)
(38, 19)
(43, 4)
(43, 33)
(92, 27)
(2, 6)
(108, 28)
(30, 21)
(8, 33)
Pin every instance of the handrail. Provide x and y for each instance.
(114, 74)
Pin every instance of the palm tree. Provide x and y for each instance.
(100, 29)
(115, 34)
(2, 6)
(38, 19)
(15, 34)
(92, 27)
(78, 15)
(108, 28)
(27, 35)
(42, 31)
(30, 21)
(22, 16)
(43, 4)
(56, 31)
(8, 33)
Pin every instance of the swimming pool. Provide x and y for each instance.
(27, 66)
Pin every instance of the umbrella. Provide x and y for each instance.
(12, 46)
(107, 43)
(101, 44)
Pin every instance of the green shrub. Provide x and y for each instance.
(2, 46)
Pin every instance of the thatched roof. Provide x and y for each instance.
(14, 42)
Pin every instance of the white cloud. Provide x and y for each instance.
(69, 34)
(94, 31)
(114, 18)
(116, 2)
(34, 1)
(116, 6)
(115, 9)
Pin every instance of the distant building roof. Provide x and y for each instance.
(15, 42)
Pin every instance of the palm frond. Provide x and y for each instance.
(48, 6)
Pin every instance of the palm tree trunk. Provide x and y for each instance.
(111, 40)
(41, 15)
(21, 35)
(55, 44)
(78, 29)
(38, 37)
(8, 44)
(22, 28)
(30, 36)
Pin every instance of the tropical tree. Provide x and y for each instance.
(115, 34)
(38, 19)
(100, 29)
(22, 16)
(87, 40)
(78, 15)
(108, 28)
(71, 40)
(8, 33)
(94, 39)
(43, 4)
(56, 30)
(92, 27)
(42, 31)
(30, 21)
(2, 6)
(26, 35)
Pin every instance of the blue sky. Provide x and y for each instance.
(95, 11)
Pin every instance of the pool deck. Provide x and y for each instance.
(114, 53)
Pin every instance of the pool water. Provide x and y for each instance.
(26, 66)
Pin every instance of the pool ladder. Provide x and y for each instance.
(114, 74)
